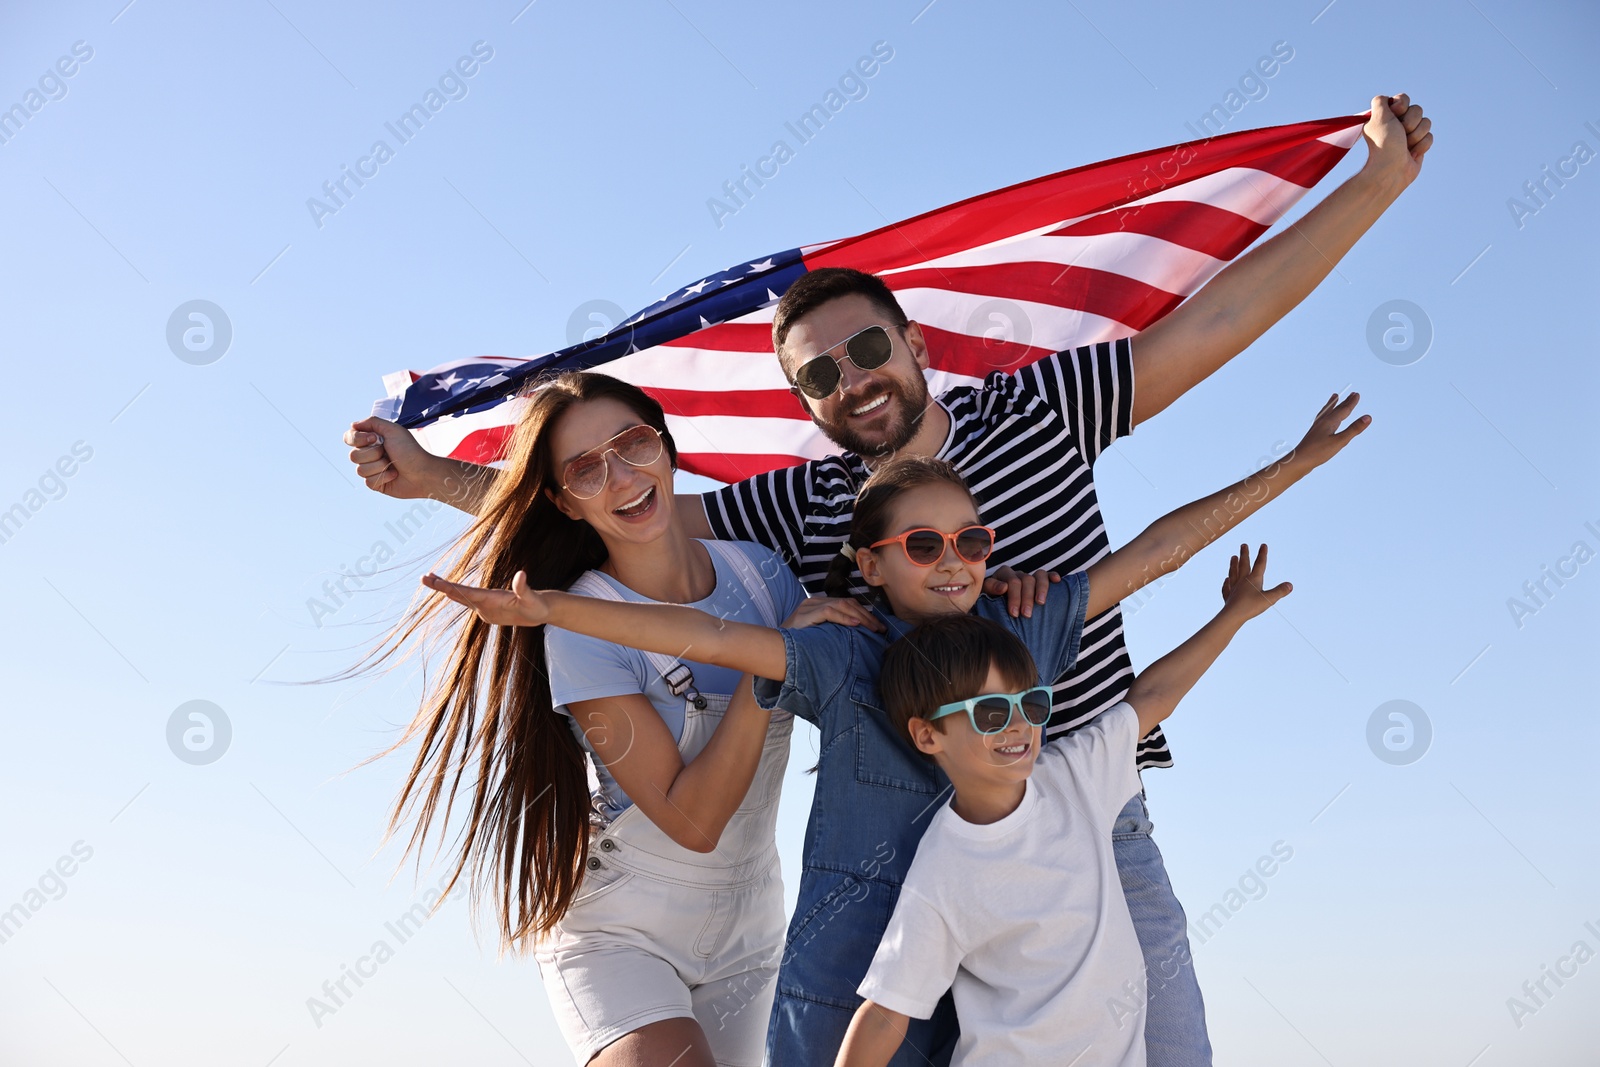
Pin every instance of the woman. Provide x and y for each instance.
(622, 806)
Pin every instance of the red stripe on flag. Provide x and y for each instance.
(735, 467)
(977, 357)
(752, 403)
(727, 337)
(484, 446)
(1112, 296)
(1303, 164)
(1213, 231)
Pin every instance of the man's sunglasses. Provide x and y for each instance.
(991, 712)
(868, 349)
(586, 476)
(924, 546)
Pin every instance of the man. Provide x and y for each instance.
(1026, 443)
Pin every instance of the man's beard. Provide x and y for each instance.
(910, 400)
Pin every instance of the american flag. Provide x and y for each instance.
(997, 281)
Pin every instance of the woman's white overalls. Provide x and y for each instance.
(659, 931)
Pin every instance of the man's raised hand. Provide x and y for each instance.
(1398, 134)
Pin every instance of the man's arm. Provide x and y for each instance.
(768, 509)
(1175, 538)
(389, 459)
(1245, 299)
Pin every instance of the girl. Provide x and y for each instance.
(621, 808)
(920, 546)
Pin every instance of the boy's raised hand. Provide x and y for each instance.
(517, 606)
(1325, 439)
(1158, 688)
(1243, 590)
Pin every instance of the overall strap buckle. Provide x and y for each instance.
(680, 680)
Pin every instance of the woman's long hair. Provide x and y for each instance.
(870, 522)
(526, 836)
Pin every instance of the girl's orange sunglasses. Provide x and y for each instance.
(924, 546)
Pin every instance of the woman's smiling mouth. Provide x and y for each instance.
(638, 506)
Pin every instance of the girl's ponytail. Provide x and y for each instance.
(841, 572)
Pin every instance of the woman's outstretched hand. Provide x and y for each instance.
(844, 611)
(517, 606)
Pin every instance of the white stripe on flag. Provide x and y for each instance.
(1257, 195)
(735, 435)
(1134, 255)
(1047, 324)
(709, 369)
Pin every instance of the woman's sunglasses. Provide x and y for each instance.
(586, 476)
(820, 375)
(924, 546)
(991, 712)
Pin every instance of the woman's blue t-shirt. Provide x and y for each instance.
(586, 668)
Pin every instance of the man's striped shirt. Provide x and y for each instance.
(1026, 443)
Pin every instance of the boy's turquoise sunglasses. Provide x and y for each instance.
(991, 712)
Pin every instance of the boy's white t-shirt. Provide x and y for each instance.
(1025, 918)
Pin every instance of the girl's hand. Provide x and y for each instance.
(1325, 440)
(1022, 591)
(1242, 589)
(846, 611)
(517, 606)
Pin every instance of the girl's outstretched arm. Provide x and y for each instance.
(670, 629)
(1172, 540)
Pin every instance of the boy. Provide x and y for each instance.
(1013, 898)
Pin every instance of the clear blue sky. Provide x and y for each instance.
(207, 903)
